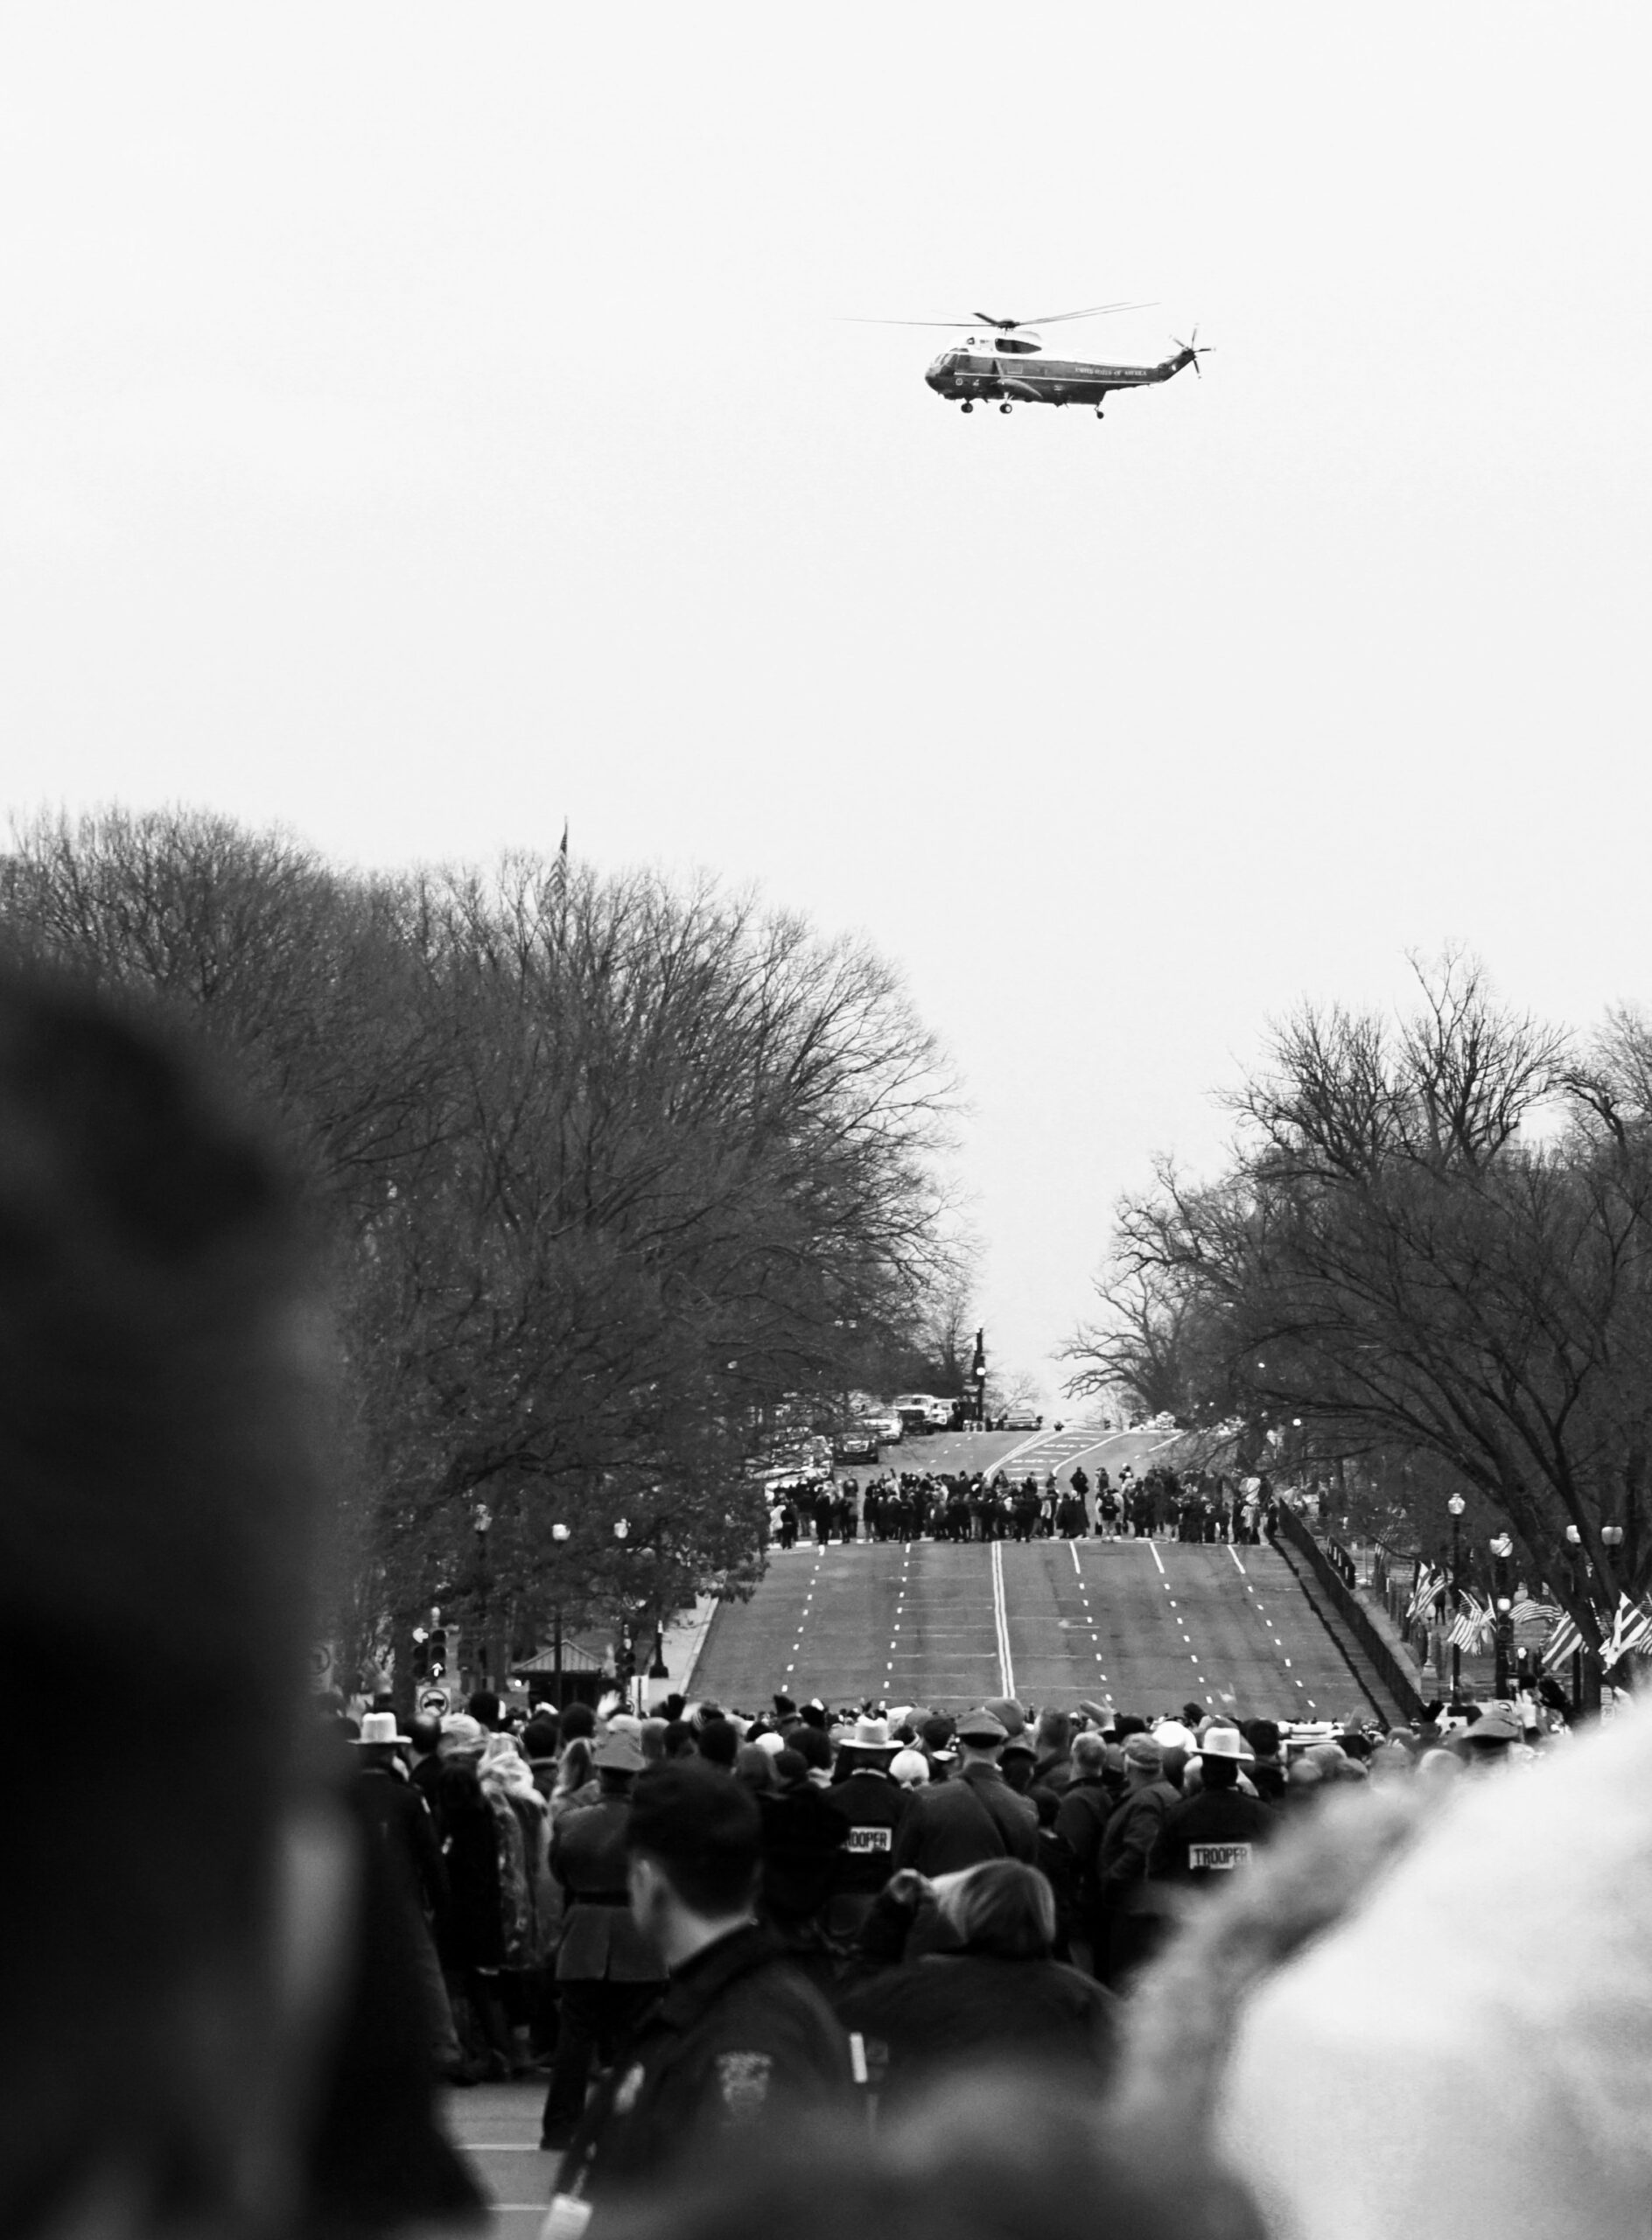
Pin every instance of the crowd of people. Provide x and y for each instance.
(968, 1505)
(889, 1970)
(947, 1889)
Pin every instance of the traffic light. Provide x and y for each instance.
(420, 1653)
(435, 1661)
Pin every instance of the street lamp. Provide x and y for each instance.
(559, 1534)
(1502, 1623)
(1456, 1505)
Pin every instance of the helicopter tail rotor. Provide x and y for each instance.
(1195, 349)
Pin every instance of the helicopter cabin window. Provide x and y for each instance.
(1012, 345)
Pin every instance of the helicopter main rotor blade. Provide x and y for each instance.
(850, 318)
(1096, 311)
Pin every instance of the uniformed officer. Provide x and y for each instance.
(606, 1971)
(873, 1806)
(740, 2036)
(1206, 1836)
(975, 1816)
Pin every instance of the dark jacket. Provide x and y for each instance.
(955, 2007)
(1129, 1838)
(400, 1819)
(871, 1809)
(599, 1941)
(1205, 1837)
(976, 1816)
(740, 2037)
(801, 1832)
(1080, 1822)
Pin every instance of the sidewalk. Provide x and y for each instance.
(680, 1647)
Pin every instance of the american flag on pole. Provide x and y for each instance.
(1560, 1644)
(1527, 1612)
(1631, 1628)
(1426, 1590)
(1472, 1627)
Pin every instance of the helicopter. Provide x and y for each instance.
(1006, 363)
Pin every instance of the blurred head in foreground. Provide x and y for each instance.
(159, 1400)
(990, 2156)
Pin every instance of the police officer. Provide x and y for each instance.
(606, 1973)
(975, 1816)
(740, 2036)
(873, 1807)
(1206, 1836)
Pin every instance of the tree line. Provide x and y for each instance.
(1428, 1258)
(617, 1174)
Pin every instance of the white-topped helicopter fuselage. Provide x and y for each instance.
(1013, 368)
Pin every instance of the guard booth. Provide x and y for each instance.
(570, 1672)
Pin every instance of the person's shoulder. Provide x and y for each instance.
(773, 2000)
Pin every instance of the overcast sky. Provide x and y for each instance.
(420, 423)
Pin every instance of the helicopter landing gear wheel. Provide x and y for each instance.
(1006, 408)
(968, 405)
(1100, 414)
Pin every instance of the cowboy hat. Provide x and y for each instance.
(1224, 1742)
(378, 1731)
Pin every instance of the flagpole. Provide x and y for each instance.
(1456, 1505)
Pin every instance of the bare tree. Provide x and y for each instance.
(1395, 1258)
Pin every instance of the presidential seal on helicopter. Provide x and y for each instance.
(1005, 362)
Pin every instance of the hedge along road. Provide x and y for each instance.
(1144, 1625)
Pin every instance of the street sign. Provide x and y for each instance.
(435, 1702)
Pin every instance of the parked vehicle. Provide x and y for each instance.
(915, 1410)
(857, 1442)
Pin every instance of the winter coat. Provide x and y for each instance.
(739, 2039)
(976, 1816)
(600, 1942)
(951, 2008)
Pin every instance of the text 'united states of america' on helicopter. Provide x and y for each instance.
(1006, 363)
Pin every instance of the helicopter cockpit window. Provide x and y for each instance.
(1014, 344)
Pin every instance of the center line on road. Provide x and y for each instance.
(1234, 1552)
(1001, 1622)
(1157, 1558)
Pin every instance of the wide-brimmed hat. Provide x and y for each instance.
(618, 1754)
(1224, 1742)
(1497, 1723)
(873, 1734)
(379, 1727)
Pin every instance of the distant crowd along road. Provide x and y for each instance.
(1175, 1595)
